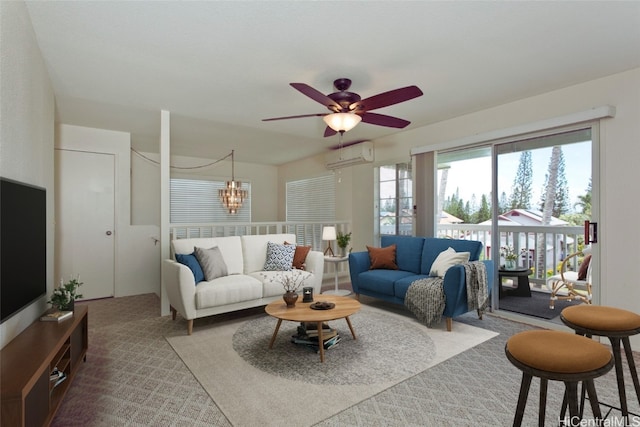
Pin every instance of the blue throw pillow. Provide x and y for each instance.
(192, 262)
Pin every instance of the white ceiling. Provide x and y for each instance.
(221, 67)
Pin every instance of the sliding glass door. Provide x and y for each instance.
(526, 196)
(544, 193)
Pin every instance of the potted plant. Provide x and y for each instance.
(290, 282)
(63, 297)
(510, 257)
(343, 240)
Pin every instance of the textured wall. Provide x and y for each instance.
(26, 130)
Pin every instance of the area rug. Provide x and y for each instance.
(288, 385)
(537, 305)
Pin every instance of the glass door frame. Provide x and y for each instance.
(594, 126)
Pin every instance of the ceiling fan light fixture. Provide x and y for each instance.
(342, 122)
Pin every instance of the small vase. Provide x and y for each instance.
(290, 297)
(510, 264)
(343, 252)
(68, 307)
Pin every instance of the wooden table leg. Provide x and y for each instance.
(273, 337)
(320, 342)
(353, 334)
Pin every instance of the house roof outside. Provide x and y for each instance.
(447, 218)
(524, 217)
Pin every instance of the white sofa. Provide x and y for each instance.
(246, 284)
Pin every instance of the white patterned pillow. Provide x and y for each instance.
(279, 257)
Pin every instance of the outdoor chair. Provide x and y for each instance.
(569, 284)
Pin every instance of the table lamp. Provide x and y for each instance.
(329, 234)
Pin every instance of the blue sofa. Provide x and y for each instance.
(414, 257)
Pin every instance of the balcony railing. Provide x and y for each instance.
(554, 242)
(307, 233)
(540, 248)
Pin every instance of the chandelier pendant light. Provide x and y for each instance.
(232, 196)
(342, 122)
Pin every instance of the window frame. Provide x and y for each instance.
(402, 199)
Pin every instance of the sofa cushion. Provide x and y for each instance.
(433, 246)
(383, 258)
(300, 255)
(272, 286)
(254, 249)
(402, 285)
(447, 259)
(408, 252)
(212, 262)
(381, 281)
(227, 290)
(191, 261)
(279, 257)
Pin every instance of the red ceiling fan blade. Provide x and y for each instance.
(294, 117)
(316, 96)
(386, 98)
(384, 120)
(329, 132)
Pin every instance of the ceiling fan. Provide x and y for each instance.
(350, 107)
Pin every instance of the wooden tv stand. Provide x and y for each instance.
(29, 398)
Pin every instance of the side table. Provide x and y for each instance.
(336, 260)
(522, 274)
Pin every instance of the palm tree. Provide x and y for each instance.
(584, 202)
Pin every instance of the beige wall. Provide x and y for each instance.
(26, 131)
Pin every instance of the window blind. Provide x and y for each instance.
(197, 201)
(312, 200)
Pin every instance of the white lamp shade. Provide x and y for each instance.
(342, 121)
(329, 233)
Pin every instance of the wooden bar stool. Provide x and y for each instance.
(559, 356)
(615, 324)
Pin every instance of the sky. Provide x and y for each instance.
(474, 176)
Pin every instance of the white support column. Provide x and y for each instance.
(165, 175)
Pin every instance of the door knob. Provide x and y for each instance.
(108, 232)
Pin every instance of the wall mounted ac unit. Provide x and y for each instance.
(349, 156)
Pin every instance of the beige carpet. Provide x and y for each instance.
(251, 390)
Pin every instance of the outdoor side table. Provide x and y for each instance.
(522, 274)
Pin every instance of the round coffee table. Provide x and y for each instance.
(302, 312)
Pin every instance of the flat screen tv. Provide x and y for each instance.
(23, 246)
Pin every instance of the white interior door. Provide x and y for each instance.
(85, 211)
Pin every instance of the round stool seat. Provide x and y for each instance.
(617, 325)
(602, 318)
(558, 356)
(558, 352)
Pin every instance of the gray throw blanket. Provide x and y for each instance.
(426, 300)
(477, 288)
